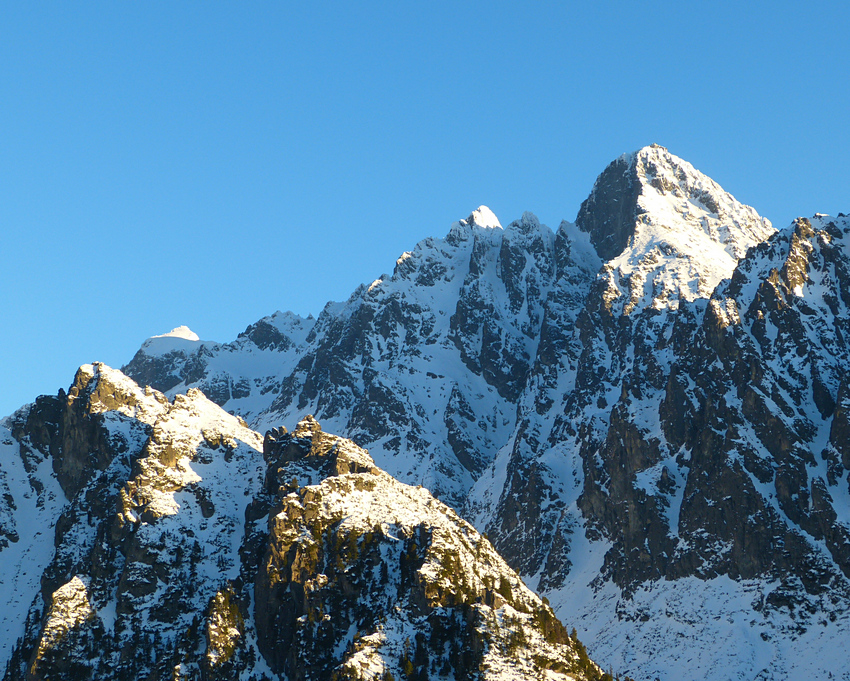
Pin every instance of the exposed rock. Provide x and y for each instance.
(148, 539)
(365, 577)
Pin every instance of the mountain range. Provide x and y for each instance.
(647, 411)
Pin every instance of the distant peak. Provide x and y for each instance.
(529, 218)
(484, 217)
(181, 339)
(180, 332)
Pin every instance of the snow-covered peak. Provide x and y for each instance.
(180, 339)
(678, 197)
(180, 332)
(481, 218)
(668, 231)
(293, 326)
(484, 217)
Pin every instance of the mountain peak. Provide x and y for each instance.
(180, 339)
(653, 181)
(180, 332)
(667, 230)
(484, 217)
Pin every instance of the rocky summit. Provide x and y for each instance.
(647, 411)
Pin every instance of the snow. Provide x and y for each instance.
(484, 496)
(582, 249)
(37, 501)
(195, 452)
(165, 489)
(181, 339)
(484, 217)
(292, 325)
(688, 238)
(180, 332)
(708, 628)
(241, 363)
(416, 358)
(718, 628)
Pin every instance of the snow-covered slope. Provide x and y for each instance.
(603, 334)
(756, 494)
(696, 475)
(30, 503)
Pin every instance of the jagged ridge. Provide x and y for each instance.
(189, 548)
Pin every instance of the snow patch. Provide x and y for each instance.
(180, 332)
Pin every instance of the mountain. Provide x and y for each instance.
(424, 366)
(665, 231)
(647, 410)
(685, 463)
(644, 410)
(150, 539)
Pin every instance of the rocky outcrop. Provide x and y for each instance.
(72, 428)
(610, 213)
(149, 534)
(365, 577)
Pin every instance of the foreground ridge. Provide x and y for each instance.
(190, 546)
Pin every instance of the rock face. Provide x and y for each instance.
(695, 458)
(364, 577)
(665, 231)
(151, 539)
(647, 410)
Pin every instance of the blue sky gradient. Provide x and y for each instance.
(209, 163)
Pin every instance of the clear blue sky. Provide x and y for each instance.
(207, 163)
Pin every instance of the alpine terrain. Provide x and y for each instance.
(647, 411)
(154, 539)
